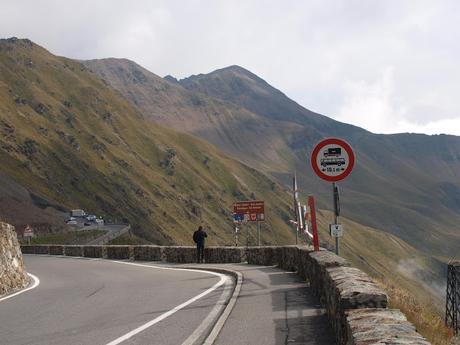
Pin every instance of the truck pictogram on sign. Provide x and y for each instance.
(333, 151)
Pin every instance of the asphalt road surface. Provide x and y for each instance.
(87, 301)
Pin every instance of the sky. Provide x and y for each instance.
(388, 66)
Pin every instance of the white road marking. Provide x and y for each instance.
(223, 279)
(34, 285)
(195, 336)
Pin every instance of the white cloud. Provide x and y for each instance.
(384, 65)
(369, 104)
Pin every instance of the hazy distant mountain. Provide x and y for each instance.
(239, 86)
(405, 183)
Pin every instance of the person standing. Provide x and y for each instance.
(198, 238)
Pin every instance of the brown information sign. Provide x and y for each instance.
(251, 211)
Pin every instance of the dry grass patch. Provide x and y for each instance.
(423, 314)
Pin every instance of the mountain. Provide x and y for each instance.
(97, 135)
(70, 140)
(230, 127)
(405, 184)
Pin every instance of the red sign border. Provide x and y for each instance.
(318, 148)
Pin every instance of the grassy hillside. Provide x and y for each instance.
(75, 142)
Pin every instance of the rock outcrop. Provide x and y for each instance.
(13, 275)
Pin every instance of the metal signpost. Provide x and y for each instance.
(250, 211)
(332, 160)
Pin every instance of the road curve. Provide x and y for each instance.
(84, 301)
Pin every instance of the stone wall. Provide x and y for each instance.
(174, 254)
(356, 306)
(13, 275)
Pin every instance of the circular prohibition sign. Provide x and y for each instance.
(332, 159)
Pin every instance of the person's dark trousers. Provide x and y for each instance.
(199, 252)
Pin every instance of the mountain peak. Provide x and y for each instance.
(18, 42)
(171, 79)
(225, 72)
(240, 86)
(234, 68)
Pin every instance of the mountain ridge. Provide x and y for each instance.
(391, 186)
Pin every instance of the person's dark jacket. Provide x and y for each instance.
(199, 236)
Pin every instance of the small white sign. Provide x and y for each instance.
(336, 230)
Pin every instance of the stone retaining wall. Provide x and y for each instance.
(147, 253)
(119, 252)
(356, 306)
(13, 275)
(73, 250)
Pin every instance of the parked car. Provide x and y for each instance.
(87, 224)
(72, 222)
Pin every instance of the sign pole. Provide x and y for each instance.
(247, 237)
(297, 235)
(258, 233)
(236, 235)
(332, 160)
(335, 192)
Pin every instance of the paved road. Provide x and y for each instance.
(81, 301)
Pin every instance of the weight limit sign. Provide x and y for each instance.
(332, 159)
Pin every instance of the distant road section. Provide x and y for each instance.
(113, 231)
(90, 302)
